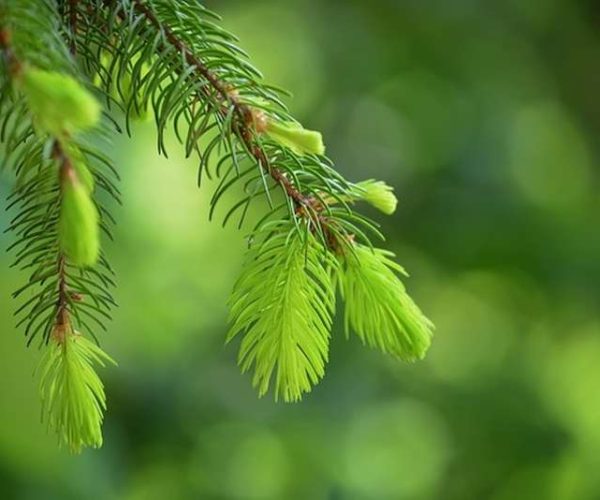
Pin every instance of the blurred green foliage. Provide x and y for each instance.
(486, 118)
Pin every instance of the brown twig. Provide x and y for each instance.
(73, 25)
(14, 66)
(62, 302)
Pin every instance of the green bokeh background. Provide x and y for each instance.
(485, 116)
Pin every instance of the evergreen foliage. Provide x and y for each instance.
(63, 62)
(73, 398)
(283, 304)
(378, 308)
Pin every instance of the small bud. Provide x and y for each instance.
(292, 135)
(378, 194)
(78, 224)
(58, 102)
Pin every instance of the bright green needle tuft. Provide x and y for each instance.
(73, 399)
(377, 306)
(283, 304)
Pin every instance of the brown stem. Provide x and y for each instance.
(73, 25)
(14, 66)
(61, 326)
(62, 302)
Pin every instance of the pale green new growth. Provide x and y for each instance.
(58, 102)
(377, 306)
(283, 304)
(378, 194)
(73, 399)
(294, 136)
(78, 223)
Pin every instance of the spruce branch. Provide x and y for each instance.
(41, 194)
(57, 225)
(172, 62)
(195, 70)
(250, 121)
(243, 109)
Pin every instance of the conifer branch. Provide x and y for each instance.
(60, 319)
(195, 70)
(244, 126)
(57, 224)
(241, 106)
(171, 61)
